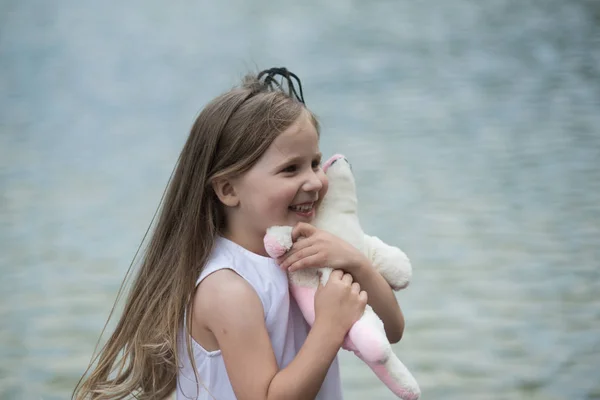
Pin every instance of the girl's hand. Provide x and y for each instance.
(339, 303)
(320, 249)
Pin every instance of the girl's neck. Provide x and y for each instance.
(250, 242)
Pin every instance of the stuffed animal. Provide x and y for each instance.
(338, 214)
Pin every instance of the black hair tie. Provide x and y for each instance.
(288, 76)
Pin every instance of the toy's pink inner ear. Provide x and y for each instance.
(331, 160)
(273, 247)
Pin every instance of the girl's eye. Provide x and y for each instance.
(316, 164)
(291, 168)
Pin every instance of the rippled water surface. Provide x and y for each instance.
(473, 129)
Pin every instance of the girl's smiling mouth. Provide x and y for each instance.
(304, 210)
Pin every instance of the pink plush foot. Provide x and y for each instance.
(369, 341)
(403, 385)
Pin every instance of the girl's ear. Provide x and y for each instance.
(225, 192)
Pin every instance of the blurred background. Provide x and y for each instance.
(473, 128)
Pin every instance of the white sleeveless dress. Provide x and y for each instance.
(285, 324)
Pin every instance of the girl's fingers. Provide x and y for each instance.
(311, 261)
(300, 244)
(336, 274)
(363, 297)
(302, 229)
(299, 249)
(347, 279)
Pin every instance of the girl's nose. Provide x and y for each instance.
(313, 183)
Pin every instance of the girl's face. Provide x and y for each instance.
(284, 187)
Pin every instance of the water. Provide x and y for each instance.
(473, 128)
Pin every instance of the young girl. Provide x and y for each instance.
(209, 314)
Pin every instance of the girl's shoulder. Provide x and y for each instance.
(232, 268)
(224, 289)
(224, 301)
(230, 265)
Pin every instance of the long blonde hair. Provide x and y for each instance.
(230, 134)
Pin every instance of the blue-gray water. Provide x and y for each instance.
(473, 128)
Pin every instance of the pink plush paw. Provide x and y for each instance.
(273, 247)
(278, 240)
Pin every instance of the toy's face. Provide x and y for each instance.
(332, 160)
(341, 180)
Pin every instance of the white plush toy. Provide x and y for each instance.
(338, 214)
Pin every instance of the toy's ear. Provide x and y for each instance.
(225, 192)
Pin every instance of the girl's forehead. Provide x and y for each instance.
(299, 139)
(299, 142)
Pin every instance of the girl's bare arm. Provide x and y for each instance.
(235, 315)
(381, 298)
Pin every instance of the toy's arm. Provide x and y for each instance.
(391, 262)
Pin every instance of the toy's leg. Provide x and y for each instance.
(305, 297)
(397, 378)
(367, 336)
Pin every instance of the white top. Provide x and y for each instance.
(285, 324)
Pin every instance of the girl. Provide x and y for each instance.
(209, 314)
